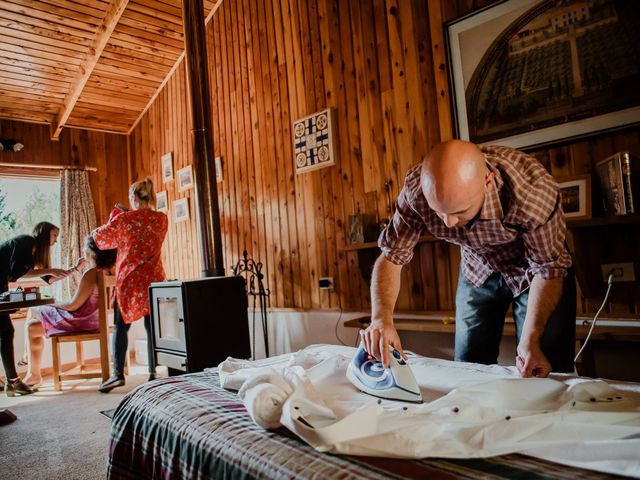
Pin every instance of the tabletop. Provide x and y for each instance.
(8, 307)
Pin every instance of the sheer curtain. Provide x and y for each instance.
(78, 219)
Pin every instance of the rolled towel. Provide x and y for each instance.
(264, 403)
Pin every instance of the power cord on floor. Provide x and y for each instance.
(595, 318)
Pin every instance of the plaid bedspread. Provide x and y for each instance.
(188, 427)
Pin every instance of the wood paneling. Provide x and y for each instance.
(273, 61)
(107, 152)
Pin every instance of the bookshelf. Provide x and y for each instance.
(603, 221)
(604, 240)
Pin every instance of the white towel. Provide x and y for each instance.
(263, 396)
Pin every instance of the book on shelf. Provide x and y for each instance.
(618, 179)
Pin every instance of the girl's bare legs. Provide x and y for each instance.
(35, 347)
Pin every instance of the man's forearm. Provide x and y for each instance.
(544, 296)
(385, 285)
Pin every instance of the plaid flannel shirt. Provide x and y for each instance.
(520, 231)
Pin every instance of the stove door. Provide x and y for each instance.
(168, 318)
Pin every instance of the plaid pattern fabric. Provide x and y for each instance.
(520, 231)
(188, 427)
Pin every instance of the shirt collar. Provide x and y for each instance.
(492, 208)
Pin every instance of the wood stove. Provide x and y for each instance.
(199, 323)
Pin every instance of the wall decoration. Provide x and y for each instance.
(181, 209)
(185, 178)
(218, 163)
(312, 142)
(167, 167)
(575, 195)
(161, 201)
(531, 72)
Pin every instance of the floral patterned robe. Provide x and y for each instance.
(138, 236)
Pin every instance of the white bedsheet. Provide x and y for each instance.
(470, 410)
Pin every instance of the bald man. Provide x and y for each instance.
(503, 208)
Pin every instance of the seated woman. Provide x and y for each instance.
(80, 314)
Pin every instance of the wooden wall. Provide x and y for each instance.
(272, 61)
(105, 151)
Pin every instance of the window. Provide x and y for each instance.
(26, 201)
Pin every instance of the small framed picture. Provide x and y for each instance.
(167, 167)
(575, 195)
(161, 201)
(181, 210)
(185, 178)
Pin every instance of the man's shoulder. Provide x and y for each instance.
(412, 181)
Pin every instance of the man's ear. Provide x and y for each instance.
(489, 184)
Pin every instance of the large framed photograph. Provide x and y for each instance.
(528, 73)
(185, 178)
(575, 196)
(181, 210)
(167, 167)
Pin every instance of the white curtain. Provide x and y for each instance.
(78, 219)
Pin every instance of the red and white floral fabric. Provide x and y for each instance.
(138, 236)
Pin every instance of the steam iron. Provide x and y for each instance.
(394, 383)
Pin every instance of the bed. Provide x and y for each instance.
(190, 427)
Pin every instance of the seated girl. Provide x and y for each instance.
(80, 314)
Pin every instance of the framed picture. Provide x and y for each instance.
(167, 167)
(185, 178)
(161, 201)
(527, 73)
(575, 196)
(181, 209)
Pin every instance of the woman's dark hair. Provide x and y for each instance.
(102, 258)
(42, 235)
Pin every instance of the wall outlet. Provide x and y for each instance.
(325, 283)
(623, 272)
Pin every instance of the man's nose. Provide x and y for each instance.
(450, 220)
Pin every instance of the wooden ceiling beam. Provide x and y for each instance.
(114, 12)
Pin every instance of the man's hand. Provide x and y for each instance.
(531, 362)
(378, 337)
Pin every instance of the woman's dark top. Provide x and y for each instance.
(16, 258)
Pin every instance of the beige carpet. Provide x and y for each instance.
(60, 435)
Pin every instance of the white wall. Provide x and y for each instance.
(288, 332)
(291, 331)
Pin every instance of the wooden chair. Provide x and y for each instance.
(105, 282)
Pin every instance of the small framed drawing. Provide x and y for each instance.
(161, 201)
(181, 209)
(167, 167)
(575, 196)
(185, 178)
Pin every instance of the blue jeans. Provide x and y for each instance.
(120, 341)
(480, 315)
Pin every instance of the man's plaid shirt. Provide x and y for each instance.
(520, 231)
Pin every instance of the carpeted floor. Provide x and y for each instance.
(60, 435)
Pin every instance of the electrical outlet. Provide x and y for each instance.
(325, 283)
(623, 272)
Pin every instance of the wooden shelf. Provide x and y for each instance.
(603, 221)
(367, 245)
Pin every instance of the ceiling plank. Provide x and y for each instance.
(114, 12)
